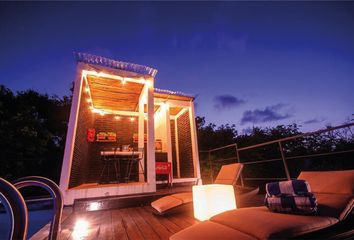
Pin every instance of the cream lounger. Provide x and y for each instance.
(228, 174)
(335, 196)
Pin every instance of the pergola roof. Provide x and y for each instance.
(106, 62)
(110, 94)
(108, 91)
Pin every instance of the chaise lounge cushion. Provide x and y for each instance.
(335, 205)
(261, 223)
(209, 230)
(229, 174)
(340, 182)
(334, 193)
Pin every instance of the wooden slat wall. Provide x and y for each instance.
(80, 161)
(185, 146)
(124, 128)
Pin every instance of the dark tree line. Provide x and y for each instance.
(327, 151)
(33, 129)
(32, 133)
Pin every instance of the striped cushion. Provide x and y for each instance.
(290, 197)
(292, 204)
(292, 187)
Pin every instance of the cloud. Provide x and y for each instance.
(314, 120)
(227, 101)
(268, 114)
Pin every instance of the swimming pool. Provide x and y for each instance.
(36, 220)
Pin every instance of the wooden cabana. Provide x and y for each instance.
(119, 126)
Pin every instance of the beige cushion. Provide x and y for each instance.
(330, 181)
(185, 197)
(229, 174)
(172, 201)
(261, 223)
(335, 205)
(166, 203)
(210, 231)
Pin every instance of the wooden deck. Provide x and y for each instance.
(126, 223)
(134, 222)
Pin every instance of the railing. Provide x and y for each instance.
(15, 205)
(236, 153)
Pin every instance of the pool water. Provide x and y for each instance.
(36, 220)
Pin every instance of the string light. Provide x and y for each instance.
(124, 81)
(132, 119)
(142, 80)
(117, 117)
(148, 84)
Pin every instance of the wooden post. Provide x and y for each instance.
(70, 136)
(168, 138)
(194, 142)
(141, 134)
(151, 176)
(177, 150)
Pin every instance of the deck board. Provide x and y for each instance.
(127, 224)
(118, 229)
(133, 230)
(158, 227)
(171, 226)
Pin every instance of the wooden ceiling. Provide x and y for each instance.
(175, 110)
(112, 94)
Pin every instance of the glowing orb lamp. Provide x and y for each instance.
(212, 199)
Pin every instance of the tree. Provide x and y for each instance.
(32, 133)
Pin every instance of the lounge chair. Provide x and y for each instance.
(334, 191)
(228, 174)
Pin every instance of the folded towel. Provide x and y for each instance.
(292, 187)
(304, 204)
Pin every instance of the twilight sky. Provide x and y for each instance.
(248, 63)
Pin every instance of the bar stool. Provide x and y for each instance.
(109, 159)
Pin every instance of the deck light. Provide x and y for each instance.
(80, 229)
(212, 199)
(94, 206)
